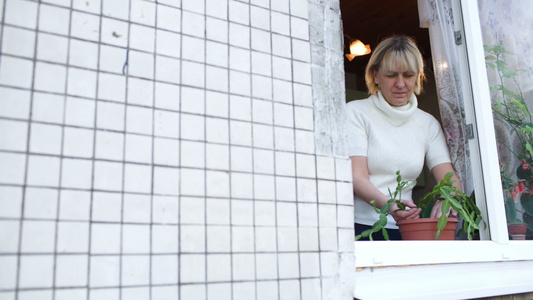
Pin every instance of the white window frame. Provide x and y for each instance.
(492, 266)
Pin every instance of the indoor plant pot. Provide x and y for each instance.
(426, 228)
(517, 231)
(444, 191)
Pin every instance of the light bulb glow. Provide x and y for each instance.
(357, 48)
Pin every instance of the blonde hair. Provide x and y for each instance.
(396, 53)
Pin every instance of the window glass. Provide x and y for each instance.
(508, 41)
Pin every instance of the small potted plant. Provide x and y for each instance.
(513, 193)
(444, 191)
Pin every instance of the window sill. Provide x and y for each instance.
(399, 253)
(444, 281)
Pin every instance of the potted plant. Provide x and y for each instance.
(443, 191)
(513, 191)
(510, 107)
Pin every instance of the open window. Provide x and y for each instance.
(446, 95)
(471, 262)
(370, 23)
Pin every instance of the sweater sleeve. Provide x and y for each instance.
(357, 131)
(437, 149)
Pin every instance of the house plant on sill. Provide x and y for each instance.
(513, 191)
(442, 227)
(510, 107)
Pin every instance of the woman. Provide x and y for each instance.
(389, 133)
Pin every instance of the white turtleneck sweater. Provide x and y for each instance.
(392, 139)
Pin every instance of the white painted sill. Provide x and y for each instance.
(444, 281)
(395, 253)
(442, 269)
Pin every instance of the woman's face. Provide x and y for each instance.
(396, 86)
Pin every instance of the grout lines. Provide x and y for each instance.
(259, 168)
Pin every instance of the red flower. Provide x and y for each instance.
(517, 190)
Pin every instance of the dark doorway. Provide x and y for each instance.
(370, 21)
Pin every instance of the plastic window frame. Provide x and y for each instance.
(495, 245)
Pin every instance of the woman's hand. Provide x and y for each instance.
(439, 171)
(410, 214)
(436, 211)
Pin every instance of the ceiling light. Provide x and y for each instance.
(357, 48)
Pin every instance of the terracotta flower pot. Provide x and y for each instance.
(425, 229)
(517, 231)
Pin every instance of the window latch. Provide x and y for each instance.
(470, 131)
(458, 37)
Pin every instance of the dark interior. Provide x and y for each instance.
(370, 21)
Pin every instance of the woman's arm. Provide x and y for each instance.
(439, 171)
(362, 186)
(365, 190)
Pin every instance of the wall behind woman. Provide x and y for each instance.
(156, 150)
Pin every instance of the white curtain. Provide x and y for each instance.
(437, 16)
(510, 23)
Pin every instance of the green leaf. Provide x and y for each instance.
(507, 91)
(529, 148)
(445, 208)
(454, 203)
(527, 203)
(497, 49)
(383, 219)
(501, 65)
(363, 234)
(385, 209)
(508, 74)
(401, 206)
(442, 222)
(385, 234)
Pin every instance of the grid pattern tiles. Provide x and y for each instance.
(165, 150)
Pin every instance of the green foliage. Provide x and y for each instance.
(453, 198)
(383, 212)
(508, 105)
(443, 191)
(527, 203)
(510, 212)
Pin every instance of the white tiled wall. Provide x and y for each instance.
(170, 150)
